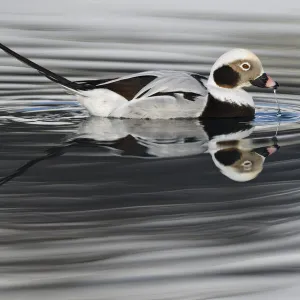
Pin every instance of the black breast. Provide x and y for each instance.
(220, 109)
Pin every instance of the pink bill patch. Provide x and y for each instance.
(270, 83)
(271, 150)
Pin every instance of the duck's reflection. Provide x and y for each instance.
(237, 156)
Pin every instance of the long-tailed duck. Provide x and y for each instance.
(171, 94)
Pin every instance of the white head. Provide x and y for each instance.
(238, 68)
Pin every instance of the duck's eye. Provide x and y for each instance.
(247, 165)
(245, 66)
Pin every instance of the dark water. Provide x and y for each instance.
(95, 208)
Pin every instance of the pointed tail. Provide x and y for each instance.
(69, 85)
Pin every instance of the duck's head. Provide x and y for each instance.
(239, 68)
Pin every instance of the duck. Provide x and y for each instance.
(170, 94)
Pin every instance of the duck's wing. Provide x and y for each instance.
(127, 87)
(153, 83)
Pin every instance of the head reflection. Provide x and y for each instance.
(241, 163)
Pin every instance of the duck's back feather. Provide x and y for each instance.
(147, 84)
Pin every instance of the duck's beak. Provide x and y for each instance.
(267, 151)
(264, 81)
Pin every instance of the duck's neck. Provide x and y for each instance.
(228, 103)
(234, 96)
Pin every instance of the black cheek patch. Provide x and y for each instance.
(228, 157)
(225, 76)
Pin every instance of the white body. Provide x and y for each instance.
(106, 103)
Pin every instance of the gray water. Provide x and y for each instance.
(92, 208)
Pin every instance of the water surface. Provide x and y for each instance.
(95, 208)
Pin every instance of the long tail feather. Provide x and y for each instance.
(69, 85)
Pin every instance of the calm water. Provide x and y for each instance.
(93, 208)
